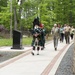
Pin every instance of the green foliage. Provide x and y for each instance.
(65, 11)
(5, 18)
(49, 12)
(3, 3)
(5, 42)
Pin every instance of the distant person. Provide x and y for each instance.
(67, 33)
(61, 33)
(55, 32)
(72, 32)
(43, 34)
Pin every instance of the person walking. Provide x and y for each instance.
(72, 32)
(61, 33)
(55, 32)
(36, 39)
(36, 33)
(67, 33)
(43, 34)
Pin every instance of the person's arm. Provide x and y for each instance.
(52, 31)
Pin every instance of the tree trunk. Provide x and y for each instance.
(15, 18)
(20, 11)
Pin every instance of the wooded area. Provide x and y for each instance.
(19, 14)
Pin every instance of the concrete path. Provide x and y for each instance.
(44, 64)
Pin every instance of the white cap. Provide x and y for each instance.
(55, 24)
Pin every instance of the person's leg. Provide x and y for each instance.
(41, 44)
(62, 37)
(44, 43)
(33, 50)
(38, 48)
(55, 43)
(71, 36)
(33, 46)
(66, 37)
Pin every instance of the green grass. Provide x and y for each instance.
(9, 42)
(25, 41)
(5, 42)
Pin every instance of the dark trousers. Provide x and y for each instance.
(61, 37)
(67, 37)
(71, 36)
(42, 42)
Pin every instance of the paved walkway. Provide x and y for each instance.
(44, 64)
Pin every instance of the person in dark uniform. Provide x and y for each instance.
(43, 34)
(35, 22)
(36, 39)
(36, 32)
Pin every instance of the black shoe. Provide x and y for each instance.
(32, 53)
(55, 49)
(42, 48)
(37, 53)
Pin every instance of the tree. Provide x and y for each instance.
(3, 3)
(5, 17)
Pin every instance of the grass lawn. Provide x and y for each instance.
(25, 41)
(9, 42)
